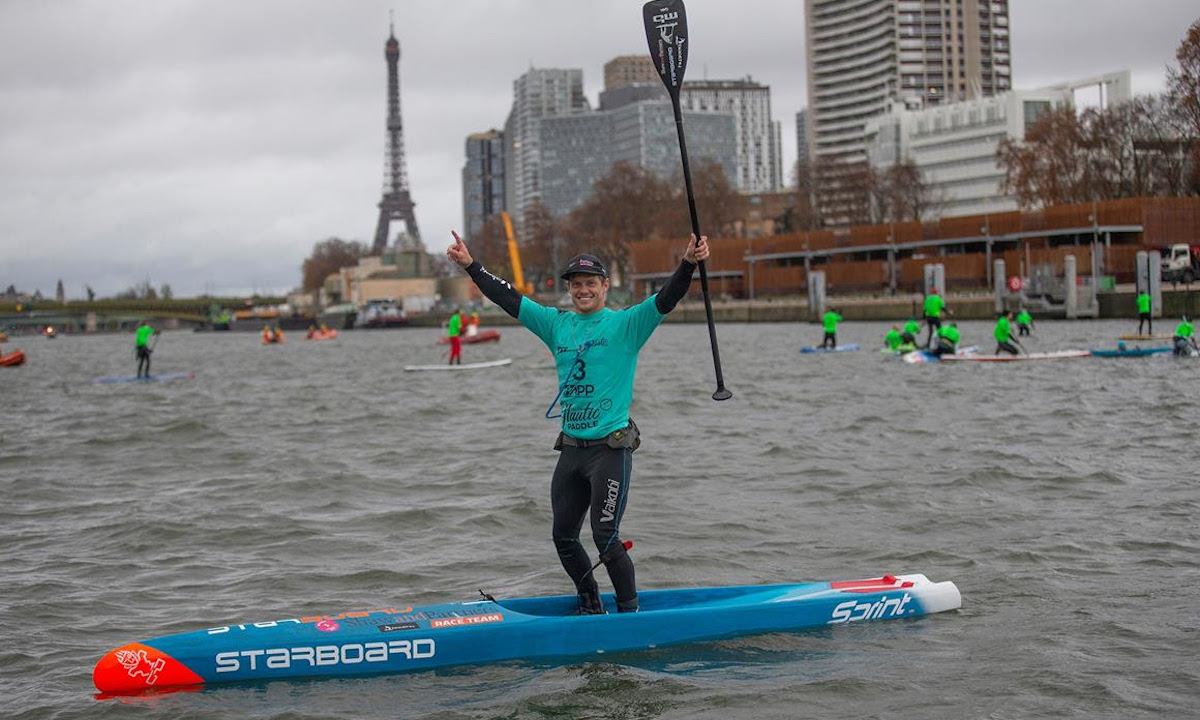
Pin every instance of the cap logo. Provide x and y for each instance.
(588, 263)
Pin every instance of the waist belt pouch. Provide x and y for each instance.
(627, 437)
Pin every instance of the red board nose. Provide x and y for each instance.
(135, 668)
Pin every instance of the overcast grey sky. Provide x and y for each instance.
(209, 144)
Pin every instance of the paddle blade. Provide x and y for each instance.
(667, 34)
(722, 393)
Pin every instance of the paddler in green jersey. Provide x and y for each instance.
(454, 332)
(1003, 334)
(142, 349)
(893, 339)
(912, 329)
(830, 320)
(1185, 338)
(1144, 314)
(933, 307)
(948, 337)
(1024, 323)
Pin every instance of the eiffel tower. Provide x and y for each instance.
(397, 203)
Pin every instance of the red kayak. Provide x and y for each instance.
(482, 337)
(14, 358)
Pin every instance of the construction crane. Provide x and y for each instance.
(514, 256)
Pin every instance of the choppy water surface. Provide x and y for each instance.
(317, 477)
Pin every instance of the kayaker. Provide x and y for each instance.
(830, 320)
(893, 339)
(1144, 315)
(1185, 338)
(933, 307)
(595, 350)
(948, 337)
(1024, 323)
(454, 332)
(912, 329)
(1003, 334)
(141, 347)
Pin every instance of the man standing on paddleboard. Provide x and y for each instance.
(595, 350)
(141, 346)
(454, 332)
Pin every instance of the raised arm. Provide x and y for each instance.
(677, 286)
(496, 289)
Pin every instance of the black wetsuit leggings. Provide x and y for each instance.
(1148, 320)
(143, 358)
(934, 323)
(595, 478)
(829, 341)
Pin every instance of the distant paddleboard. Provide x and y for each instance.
(1133, 352)
(164, 377)
(1059, 355)
(464, 366)
(924, 356)
(852, 347)
(1145, 337)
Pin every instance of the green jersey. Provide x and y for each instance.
(912, 327)
(892, 339)
(831, 319)
(1024, 318)
(1184, 330)
(1003, 330)
(143, 336)
(934, 305)
(1143, 303)
(949, 332)
(454, 329)
(596, 355)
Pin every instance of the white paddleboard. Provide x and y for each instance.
(1059, 355)
(464, 366)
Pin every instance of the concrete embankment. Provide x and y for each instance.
(977, 306)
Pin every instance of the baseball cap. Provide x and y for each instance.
(585, 264)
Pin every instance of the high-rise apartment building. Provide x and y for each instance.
(954, 145)
(759, 156)
(578, 150)
(538, 94)
(864, 54)
(630, 70)
(483, 179)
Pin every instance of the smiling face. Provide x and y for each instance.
(588, 292)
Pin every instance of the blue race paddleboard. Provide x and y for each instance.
(839, 349)
(1133, 352)
(164, 377)
(402, 639)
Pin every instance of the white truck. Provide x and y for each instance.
(1181, 263)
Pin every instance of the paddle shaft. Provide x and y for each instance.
(665, 23)
(721, 393)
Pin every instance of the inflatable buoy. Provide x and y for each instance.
(1015, 283)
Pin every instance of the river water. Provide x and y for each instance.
(317, 477)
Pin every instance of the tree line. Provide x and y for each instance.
(627, 205)
(1149, 147)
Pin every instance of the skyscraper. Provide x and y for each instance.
(539, 93)
(630, 70)
(483, 179)
(759, 161)
(861, 56)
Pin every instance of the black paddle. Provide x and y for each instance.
(667, 35)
